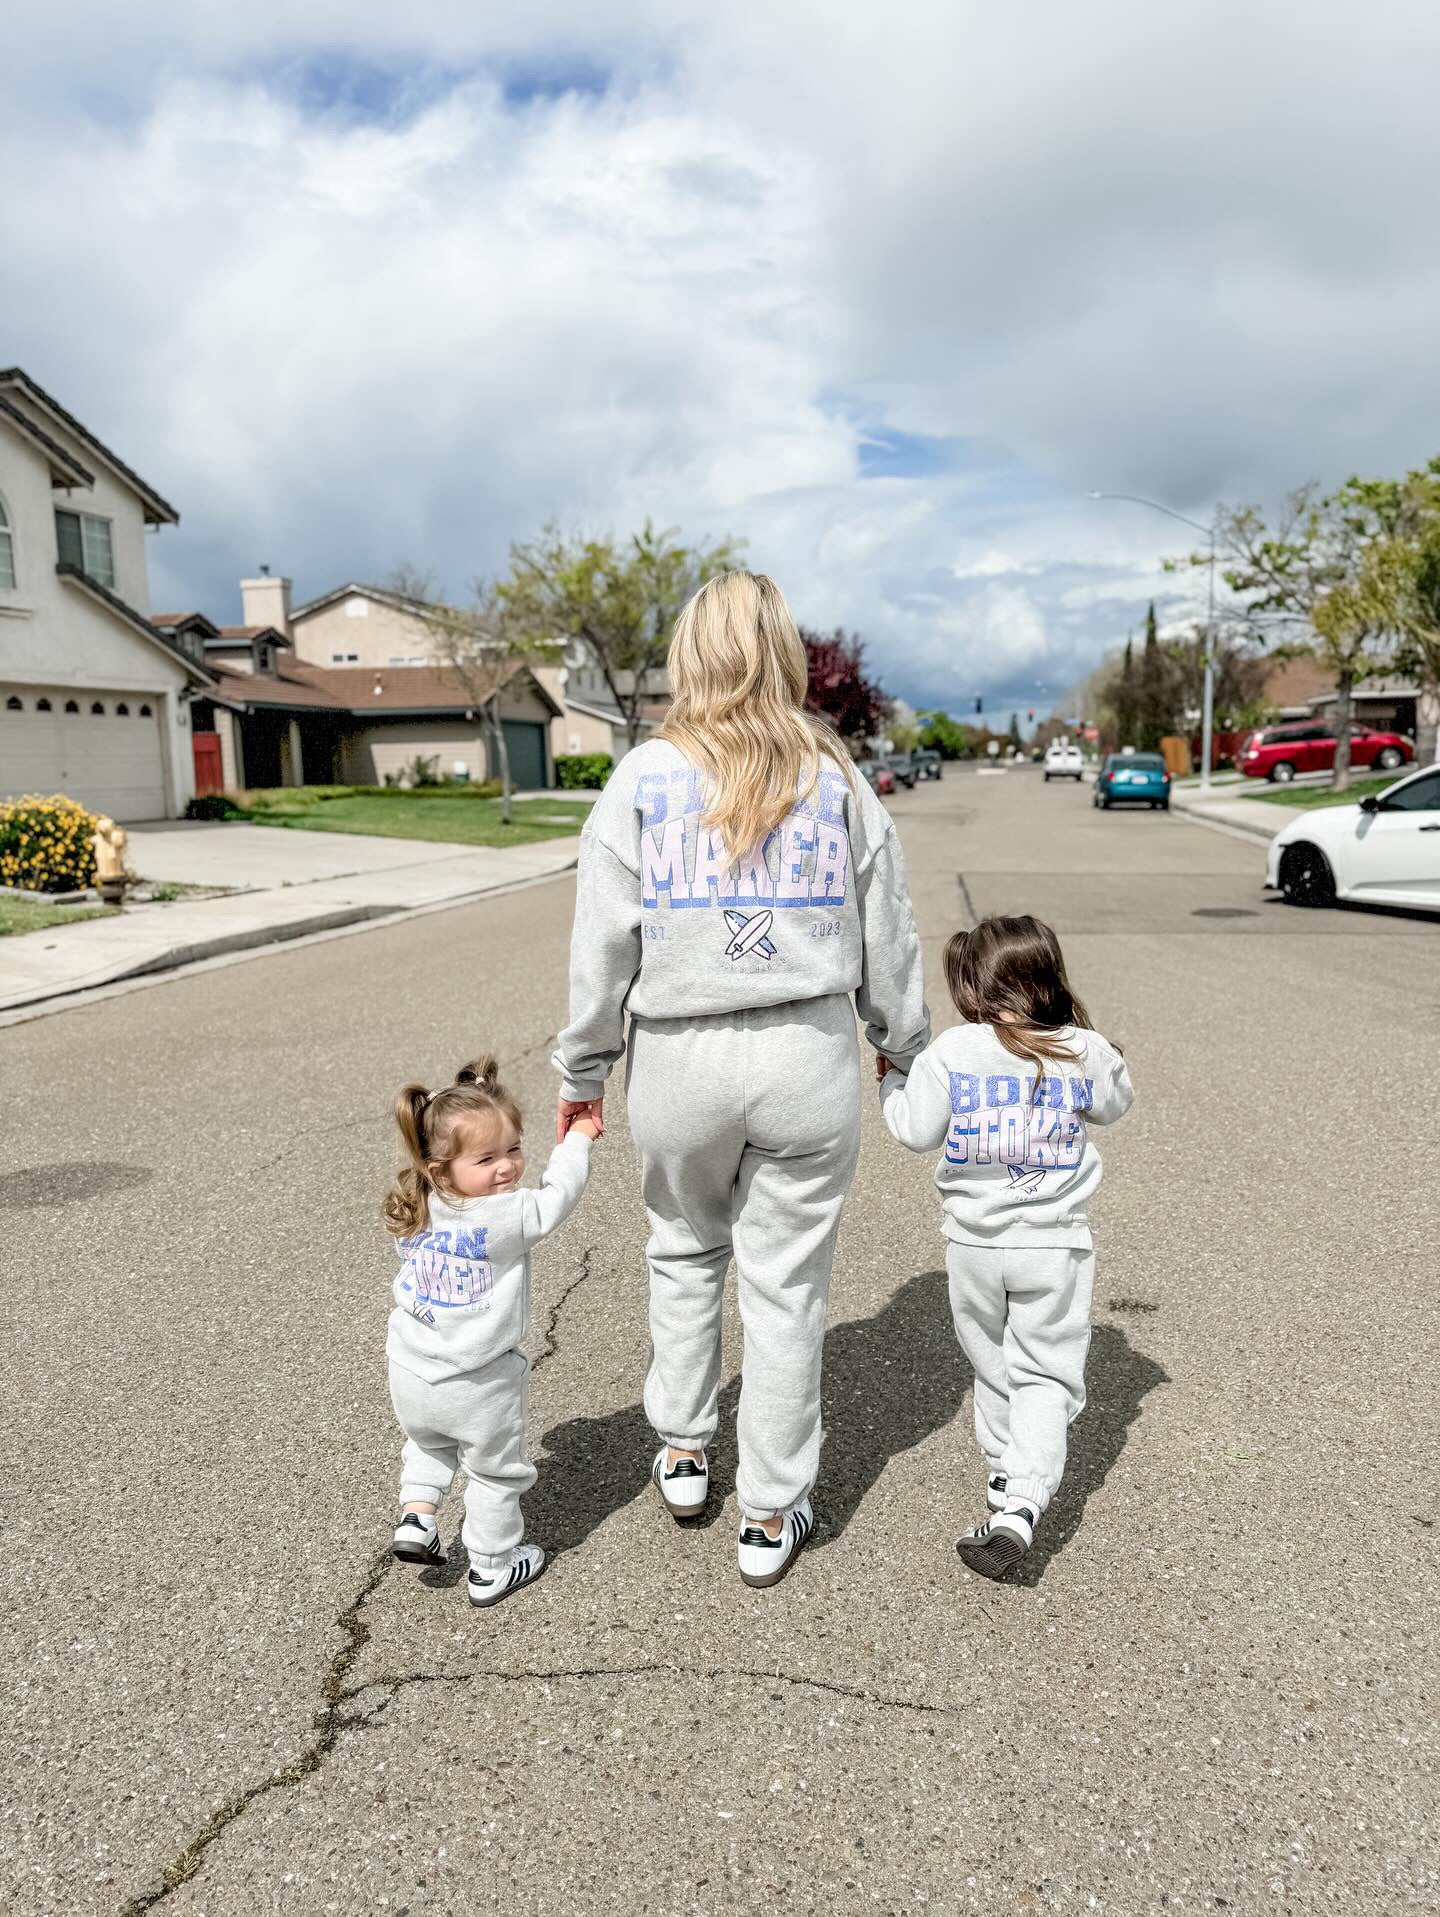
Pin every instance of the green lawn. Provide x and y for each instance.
(411, 816)
(20, 915)
(1306, 795)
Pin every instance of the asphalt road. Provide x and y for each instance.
(1212, 1688)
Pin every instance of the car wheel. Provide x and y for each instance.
(1164, 805)
(1305, 875)
(1047, 778)
(1282, 773)
(1390, 758)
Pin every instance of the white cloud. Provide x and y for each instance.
(355, 284)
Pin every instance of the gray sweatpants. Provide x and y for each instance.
(748, 1126)
(476, 1422)
(1023, 1320)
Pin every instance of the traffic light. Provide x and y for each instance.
(1030, 716)
(979, 703)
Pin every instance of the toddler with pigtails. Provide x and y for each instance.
(459, 1380)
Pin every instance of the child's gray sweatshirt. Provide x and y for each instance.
(667, 926)
(462, 1295)
(1015, 1166)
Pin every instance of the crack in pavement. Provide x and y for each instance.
(330, 1720)
(392, 1683)
(552, 1322)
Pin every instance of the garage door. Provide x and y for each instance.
(525, 747)
(101, 748)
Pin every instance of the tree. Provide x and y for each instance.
(1123, 698)
(1154, 690)
(1402, 576)
(840, 691)
(940, 733)
(479, 646)
(620, 600)
(1307, 574)
(1013, 736)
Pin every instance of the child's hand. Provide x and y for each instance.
(587, 1128)
(568, 1110)
(882, 1065)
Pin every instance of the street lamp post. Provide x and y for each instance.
(1207, 707)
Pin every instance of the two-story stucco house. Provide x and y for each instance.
(94, 699)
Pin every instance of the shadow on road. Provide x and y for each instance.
(891, 1381)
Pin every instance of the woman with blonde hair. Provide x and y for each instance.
(740, 891)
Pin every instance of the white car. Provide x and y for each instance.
(1063, 760)
(1383, 851)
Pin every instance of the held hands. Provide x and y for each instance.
(882, 1065)
(586, 1116)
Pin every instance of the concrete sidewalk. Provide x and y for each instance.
(1220, 807)
(300, 882)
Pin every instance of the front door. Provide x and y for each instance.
(525, 746)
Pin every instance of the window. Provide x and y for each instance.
(1421, 795)
(84, 543)
(7, 549)
(144, 712)
(122, 711)
(42, 705)
(70, 706)
(97, 711)
(264, 656)
(12, 704)
(344, 658)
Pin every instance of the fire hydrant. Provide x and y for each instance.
(111, 878)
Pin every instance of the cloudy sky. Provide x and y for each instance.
(883, 291)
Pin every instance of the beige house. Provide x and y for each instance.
(94, 698)
(360, 625)
(279, 719)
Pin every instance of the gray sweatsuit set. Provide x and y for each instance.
(459, 1382)
(743, 1079)
(1016, 1174)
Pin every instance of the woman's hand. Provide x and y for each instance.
(882, 1065)
(569, 1109)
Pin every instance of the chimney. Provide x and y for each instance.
(266, 602)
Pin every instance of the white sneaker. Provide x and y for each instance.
(765, 1560)
(482, 1588)
(417, 1539)
(995, 1494)
(683, 1486)
(997, 1546)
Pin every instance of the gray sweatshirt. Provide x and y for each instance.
(668, 927)
(1014, 1167)
(462, 1294)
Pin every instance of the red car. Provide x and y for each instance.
(1277, 753)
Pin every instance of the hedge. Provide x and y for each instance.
(579, 771)
(46, 844)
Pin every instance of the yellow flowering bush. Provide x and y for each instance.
(45, 844)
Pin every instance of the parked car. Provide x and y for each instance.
(1063, 760)
(878, 775)
(927, 763)
(1133, 778)
(903, 770)
(1277, 753)
(1384, 850)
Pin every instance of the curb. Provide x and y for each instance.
(1198, 815)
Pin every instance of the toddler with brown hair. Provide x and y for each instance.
(1009, 1097)
(459, 1380)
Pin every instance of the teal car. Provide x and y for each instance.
(1133, 778)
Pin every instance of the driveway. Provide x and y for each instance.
(1213, 1687)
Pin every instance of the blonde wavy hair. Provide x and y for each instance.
(738, 679)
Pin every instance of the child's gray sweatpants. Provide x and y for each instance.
(476, 1422)
(1023, 1319)
(748, 1127)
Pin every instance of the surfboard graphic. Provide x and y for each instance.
(749, 934)
(1023, 1180)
